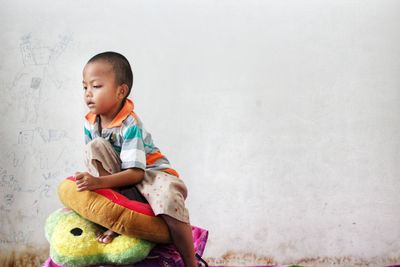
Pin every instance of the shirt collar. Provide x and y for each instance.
(121, 116)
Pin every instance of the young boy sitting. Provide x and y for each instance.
(122, 154)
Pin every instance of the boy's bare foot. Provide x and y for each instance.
(106, 237)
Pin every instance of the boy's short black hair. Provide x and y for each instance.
(121, 67)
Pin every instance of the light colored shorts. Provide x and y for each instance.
(164, 192)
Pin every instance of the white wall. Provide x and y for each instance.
(282, 117)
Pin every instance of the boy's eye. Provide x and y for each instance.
(84, 88)
(96, 86)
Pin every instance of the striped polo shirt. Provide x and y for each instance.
(130, 140)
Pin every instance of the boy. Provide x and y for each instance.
(122, 152)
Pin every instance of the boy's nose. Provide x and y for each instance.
(88, 92)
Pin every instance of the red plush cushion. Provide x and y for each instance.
(122, 200)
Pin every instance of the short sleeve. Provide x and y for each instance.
(133, 154)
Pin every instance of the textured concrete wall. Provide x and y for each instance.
(282, 117)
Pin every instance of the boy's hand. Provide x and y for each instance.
(86, 181)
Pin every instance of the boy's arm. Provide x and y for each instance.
(86, 181)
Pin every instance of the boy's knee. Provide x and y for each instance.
(96, 144)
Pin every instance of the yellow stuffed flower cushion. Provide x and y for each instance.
(73, 242)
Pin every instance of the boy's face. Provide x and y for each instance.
(102, 94)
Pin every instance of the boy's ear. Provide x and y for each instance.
(123, 90)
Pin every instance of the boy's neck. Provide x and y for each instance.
(106, 120)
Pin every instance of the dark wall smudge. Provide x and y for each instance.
(23, 257)
(232, 258)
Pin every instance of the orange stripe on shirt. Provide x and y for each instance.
(153, 157)
(171, 171)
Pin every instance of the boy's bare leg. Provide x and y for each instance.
(108, 235)
(100, 168)
(181, 234)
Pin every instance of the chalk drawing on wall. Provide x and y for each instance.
(36, 75)
(34, 155)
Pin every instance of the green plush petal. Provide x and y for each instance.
(73, 242)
